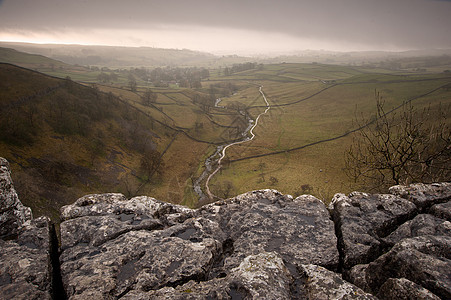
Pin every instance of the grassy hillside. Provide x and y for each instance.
(50, 66)
(65, 139)
(300, 144)
(110, 56)
(8, 55)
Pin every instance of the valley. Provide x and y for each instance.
(73, 132)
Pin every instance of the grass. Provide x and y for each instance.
(310, 103)
(328, 114)
(78, 170)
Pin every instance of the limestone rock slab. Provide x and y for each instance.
(300, 229)
(321, 283)
(25, 268)
(13, 214)
(424, 260)
(424, 195)
(363, 219)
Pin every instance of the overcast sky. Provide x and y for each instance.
(232, 26)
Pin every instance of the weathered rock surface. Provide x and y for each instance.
(300, 229)
(25, 268)
(363, 219)
(422, 224)
(25, 263)
(425, 260)
(12, 213)
(107, 238)
(114, 245)
(258, 245)
(442, 210)
(321, 283)
(357, 275)
(262, 276)
(424, 195)
(403, 289)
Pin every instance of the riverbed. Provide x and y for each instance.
(217, 157)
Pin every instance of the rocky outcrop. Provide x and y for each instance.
(28, 248)
(300, 229)
(262, 276)
(133, 245)
(424, 195)
(258, 245)
(25, 268)
(403, 289)
(414, 261)
(422, 224)
(442, 210)
(13, 214)
(321, 283)
(142, 244)
(424, 260)
(363, 219)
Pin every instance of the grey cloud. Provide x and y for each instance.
(409, 23)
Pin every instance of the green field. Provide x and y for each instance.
(299, 145)
(341, 95)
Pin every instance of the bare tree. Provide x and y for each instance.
(132, 83)
(151, 163)
(225, 189)
(401, 147)
(149, 97)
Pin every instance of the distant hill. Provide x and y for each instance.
(123, 57)
(64, 139)
(12, 56)
(111, 56)
(39, 63)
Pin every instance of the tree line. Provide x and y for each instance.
(241, 67)
(158, 77)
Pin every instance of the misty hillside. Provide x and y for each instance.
(111, 56)
(65, 140)
(124, 57)
(13, 56)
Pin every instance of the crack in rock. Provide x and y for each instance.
(258, 245)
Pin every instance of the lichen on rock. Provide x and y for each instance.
(258, 245)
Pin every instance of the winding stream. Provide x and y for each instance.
(221, 152)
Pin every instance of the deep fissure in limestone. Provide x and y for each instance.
(57, 291)
(340, 243)
(217, 269)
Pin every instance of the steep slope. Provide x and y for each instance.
(37, 62)
(8, 55)
(71, 139)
